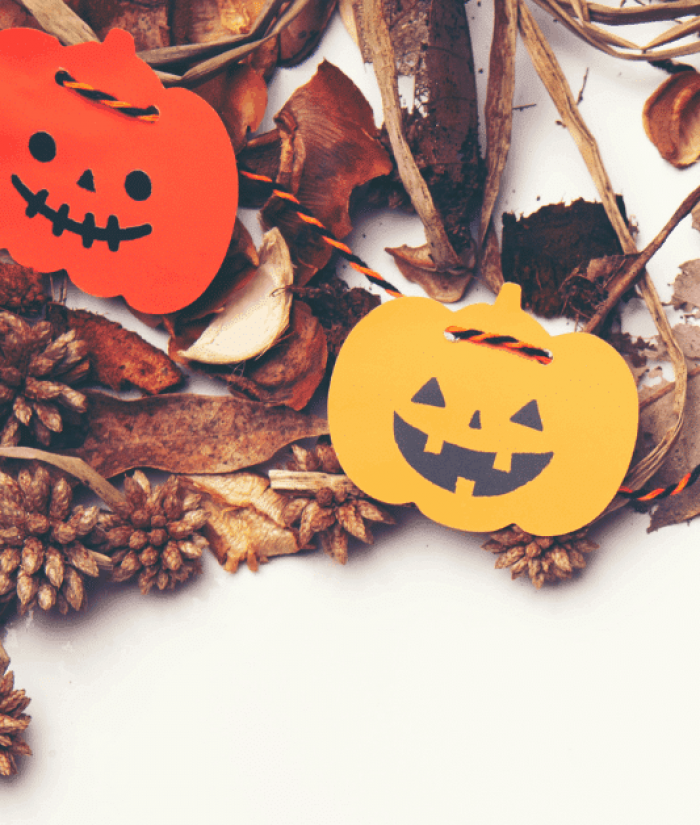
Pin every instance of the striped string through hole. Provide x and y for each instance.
(662, 492)
(503, 342)
(149, 114)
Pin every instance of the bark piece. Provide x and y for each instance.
(119, 357)
(290, 372)
(188, 433)
(542, 250)
(256, 316)
(246, 519)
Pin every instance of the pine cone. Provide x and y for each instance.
(158, 536)
(37, 372)
(335, 511)
(544, 558)
(13, 720)
(43, 557)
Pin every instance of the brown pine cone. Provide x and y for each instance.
(37, 372)
(335, 511)
(43, 553)
(545, 559)
(157, 536)
(13, 720)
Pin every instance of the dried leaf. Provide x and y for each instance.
(498, 113)
(301, 36)
(329, 146)
(206, 21)
(13, 15)
(245, 519)
(119, 357)
(688, 337)
(188, 433)
(416, 265)
(239, 95)
(671, 118)
(686, 287)
(682, 457)
(256, 315)
(145, 20)
(290, 372)
(21, 288)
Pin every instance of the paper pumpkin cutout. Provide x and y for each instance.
(481, 437)
(127, 206)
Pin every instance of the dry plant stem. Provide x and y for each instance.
(58, 19)
(308, 482)
(377, 35)
(76, 467)
(499, 103)
(553, 78)
(604, 40)
(634, 267)
(214, 65)
(169, 55)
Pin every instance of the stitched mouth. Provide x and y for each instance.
(112, 233)
(453, 462)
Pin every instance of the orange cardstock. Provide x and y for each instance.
(478, 437)
(127, 207)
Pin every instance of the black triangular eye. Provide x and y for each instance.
(475, 423)
(430, 394)
(528, 416)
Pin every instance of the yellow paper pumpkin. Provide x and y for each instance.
(480, 438)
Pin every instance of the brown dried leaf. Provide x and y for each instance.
(245, 519)
(498, 113)
(256, 315)
(671, 118)
(206, 21)
(21, 288)
(145, 20)
(301, 36)
(292, 370)
(330, 146)
(13, 15)
(188, 433)
(688, 337)
(682, 457)
(239, 95)
(119, 357)
(416, 265)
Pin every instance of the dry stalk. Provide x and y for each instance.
(55, 17)
(553, 78)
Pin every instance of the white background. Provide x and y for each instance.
(416, 684)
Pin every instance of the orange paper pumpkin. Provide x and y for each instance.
(128, 207)
(478, 437)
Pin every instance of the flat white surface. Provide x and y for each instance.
(416, 684)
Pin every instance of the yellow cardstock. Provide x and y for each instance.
(478, 437)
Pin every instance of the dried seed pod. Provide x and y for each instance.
(671, 118)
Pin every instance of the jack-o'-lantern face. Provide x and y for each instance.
(127, 206)
(477, 437)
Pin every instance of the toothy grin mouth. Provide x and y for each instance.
(453, 462)
(112, 233)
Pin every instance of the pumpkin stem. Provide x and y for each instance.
(509, 298)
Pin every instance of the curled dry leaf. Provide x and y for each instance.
(239, 96)
(246, 519)
(145, 20)
(655, 415)
(686, 288)
(671, 118)
(256, 315)
(417, 265)
(290, 372)
(120, 358)
(184, 433)
(328, 145)
(21, 289)
(206, 21)
(301, 36)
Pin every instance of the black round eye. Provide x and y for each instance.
(138, 185)
(42, 146)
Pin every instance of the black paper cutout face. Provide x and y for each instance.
(454, 461)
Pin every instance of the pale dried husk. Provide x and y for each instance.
(671, 118)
